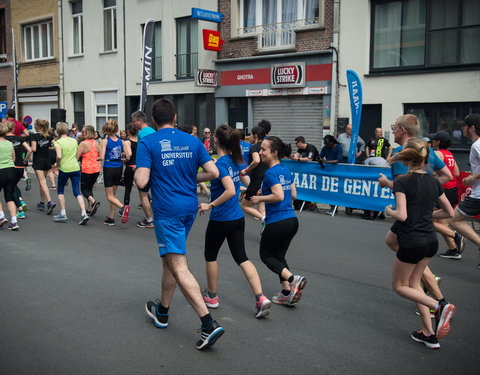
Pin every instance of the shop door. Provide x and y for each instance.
(291, 117)
(238, 113)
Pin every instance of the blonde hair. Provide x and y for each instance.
(89, 132)
(62, 128)
(10, 125)
(414, 154)
(409, 123)
(3, 129)
(110, 127)
(42, 126)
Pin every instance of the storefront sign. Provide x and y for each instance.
(291, 75)
(207, 15)
(211, 40)
(206, 78)
(286, 92)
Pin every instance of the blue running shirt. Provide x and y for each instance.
(281, 210)
(434, 163)
(147, 130)
(113, 153)
(173, 158)
(230, 210)
(245, 146)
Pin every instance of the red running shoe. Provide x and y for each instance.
(126, 212)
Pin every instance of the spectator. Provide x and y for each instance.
(378, 146)
(74, 133)
(208, 141)
(123, 135)
(305, 152)
(344, 140)
(331, 154)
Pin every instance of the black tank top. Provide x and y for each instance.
(133, 158)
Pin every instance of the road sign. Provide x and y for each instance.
(3, 109)
(207, 15)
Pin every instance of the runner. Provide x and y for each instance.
(278, 191)
(42, 162)
(89, 152)
(227, 221)
(22, 154)
(68, 169)
(256, 169)
(131, 148)
(169, 159)
(140, 120)
(415, 194)
(7, 178)
(111, 153)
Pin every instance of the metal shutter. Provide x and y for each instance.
(291, 117)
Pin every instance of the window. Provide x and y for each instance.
(77, 17)
(3, 33)
(157, 52)
(79, 108)
(412, 34)
(267, 12)
(187, 48)
(106, 107)
(109, 25)
(38, 41)
(3, 93)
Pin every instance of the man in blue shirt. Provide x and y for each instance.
(169, 160)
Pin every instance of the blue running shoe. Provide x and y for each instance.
(209, 335)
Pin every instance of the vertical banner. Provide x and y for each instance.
(355, 90)
(15, 74)
(147, 57)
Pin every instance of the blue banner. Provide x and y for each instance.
(355, 90)
(346, 185)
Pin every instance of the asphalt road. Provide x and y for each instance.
(72, 302)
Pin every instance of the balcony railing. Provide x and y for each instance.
(187, 64)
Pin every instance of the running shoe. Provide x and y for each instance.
(212, 303)
(459, 242)
(13, 226)
(263, 307)
(145, 224)
(451, 254)
(296, 288)
(329, 212)
(281, 299)
(28, 184)
(430, 341)
(209, 335)
(24, 206)
(41, 206)
(50, 207)
(21, 215)
(83, 220)
(60, 218)
(160, 320)
(126, 212)
(443, 315)
(109, 221)
(3, 222)
(95, 206)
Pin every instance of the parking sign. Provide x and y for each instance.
(3, 109)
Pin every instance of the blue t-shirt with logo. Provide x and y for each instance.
(230, 210)
(245, 146)
(173, 158)
(147, 130)
(434, 163)
(282, 210)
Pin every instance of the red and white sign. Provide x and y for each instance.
(288, 76)
(206, 78)
(287, 92)
(212, 40)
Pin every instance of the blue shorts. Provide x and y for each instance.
(172, 234)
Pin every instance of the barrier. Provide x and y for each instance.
(347, 185)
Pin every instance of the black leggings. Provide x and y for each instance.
(7, 182)
(274, 244)
(233, 231)
(17, 193)
(128, 174)
(87, 181)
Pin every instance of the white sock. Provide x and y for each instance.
(84, 212)
(14, 220)
(2, 215)
(149, 219)
(63, 212)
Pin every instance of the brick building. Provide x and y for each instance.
(6, 54)
(276, 63)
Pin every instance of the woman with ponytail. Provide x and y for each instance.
(278, 191)
(416, 194)
(227, 221)
(8, 179)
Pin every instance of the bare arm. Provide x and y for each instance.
(103, 149)
(80, 150)
(27, 147)
(399, 213)
(127, 146)
(34, 146)
(210, 172)
(228, 193)
(58, 152)
(142, 176)
(445, 211)
(443, 175)
(253, 164)
(385, 182)
(276, 196)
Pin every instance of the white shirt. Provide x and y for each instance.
(475, 165)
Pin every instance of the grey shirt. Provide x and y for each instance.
(344, 140)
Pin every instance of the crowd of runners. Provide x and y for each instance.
(168, 165)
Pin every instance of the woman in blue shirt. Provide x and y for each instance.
(227, 220)
(278, 191)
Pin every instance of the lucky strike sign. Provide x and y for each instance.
(206, 78)
(288, 75)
